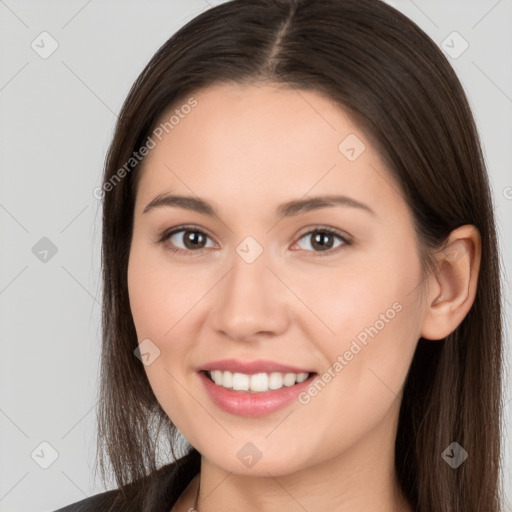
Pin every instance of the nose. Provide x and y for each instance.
(251, 301)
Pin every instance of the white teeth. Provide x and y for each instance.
(240, 382)
(259, 382)
(227, 379)
(256, 383)
(301, 377)
(275, 380)
(289, 379)
(216, 375)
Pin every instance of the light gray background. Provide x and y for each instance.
(57, 118)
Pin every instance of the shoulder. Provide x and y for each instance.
(103, 501)
(163, 490)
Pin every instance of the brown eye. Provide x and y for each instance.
(194, 239)
(186, 240)
(323, 240)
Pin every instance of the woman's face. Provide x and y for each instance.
(257, 281)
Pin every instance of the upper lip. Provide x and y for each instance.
(251, 367)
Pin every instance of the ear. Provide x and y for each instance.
(452, 288)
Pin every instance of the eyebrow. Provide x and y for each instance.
(288, 209)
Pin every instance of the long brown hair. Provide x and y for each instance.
(386, 73)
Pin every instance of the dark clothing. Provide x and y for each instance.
(164, 488)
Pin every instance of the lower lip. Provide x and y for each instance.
(243, 403)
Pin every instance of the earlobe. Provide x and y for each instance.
(452, 288)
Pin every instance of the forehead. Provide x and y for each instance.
(253, 140)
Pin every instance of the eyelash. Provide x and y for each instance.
(167, 234)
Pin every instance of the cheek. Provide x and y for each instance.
(162, 299)
(161, 294)
(155, 311)
(366, 326)
(367, 360)
(355, 300)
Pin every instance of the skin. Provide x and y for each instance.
(247, 149)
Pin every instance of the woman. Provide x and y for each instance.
(301, 279)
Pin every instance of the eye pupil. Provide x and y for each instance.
(319, 240)
(193, 238)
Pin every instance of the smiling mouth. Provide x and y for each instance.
(256, 382)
